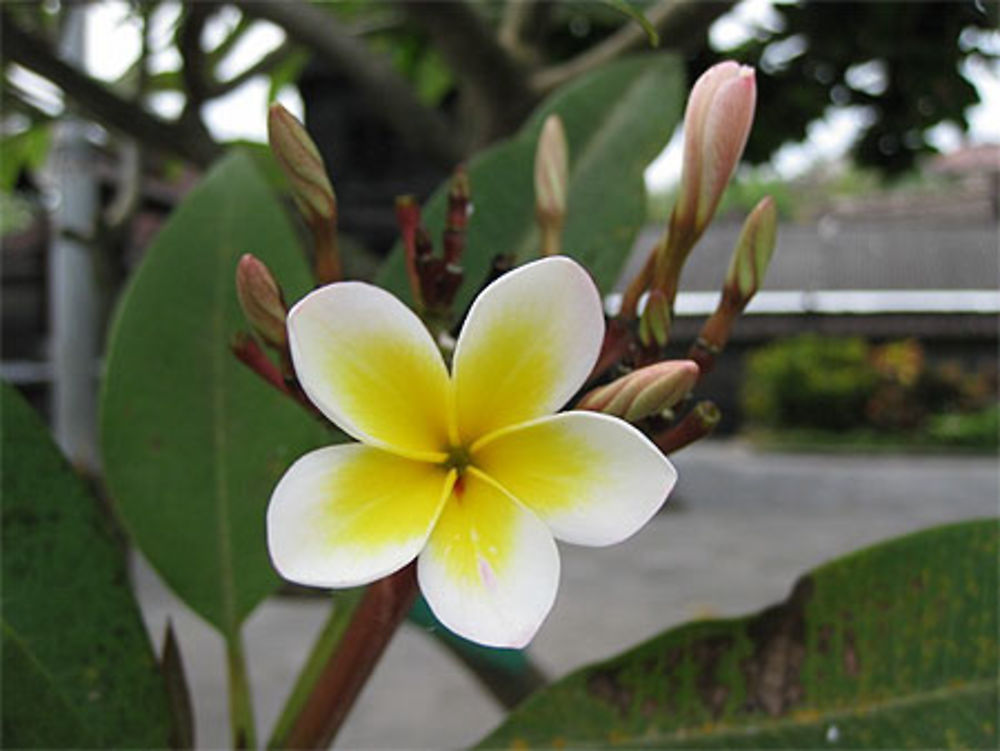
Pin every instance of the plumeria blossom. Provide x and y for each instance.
(471, 472)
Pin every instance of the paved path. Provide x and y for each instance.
(740, 528)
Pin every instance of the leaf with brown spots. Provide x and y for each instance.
(858, 656)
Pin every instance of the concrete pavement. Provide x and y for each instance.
(740, 527)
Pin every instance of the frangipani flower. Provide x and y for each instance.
(470, 473)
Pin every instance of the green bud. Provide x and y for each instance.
(302, 164)
(752, 253)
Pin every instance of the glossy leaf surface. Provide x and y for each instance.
(894, 646)
(193, 441)
(78, 669)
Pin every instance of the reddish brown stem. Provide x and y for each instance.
(380, 612)
(616, 343)
(630, 300)
(715, 332)
(695, 425)
(328, 268)
(408, 219)
(249, 353)
(456, 220)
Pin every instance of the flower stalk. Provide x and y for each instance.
(716, 126)
(240, 703)
(747, 268)
(434, 281)
(382, 609)
(303, 166)
(408, 220)
(695, 425)
(248, 351)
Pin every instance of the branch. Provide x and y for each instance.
(513, 24)
(310, 25)
(522, 27)
(676, 21)
(265, 65)
(193, 72)
(98, 101)
(497, 86)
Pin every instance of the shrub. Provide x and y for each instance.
(810, 381)
(979, 429)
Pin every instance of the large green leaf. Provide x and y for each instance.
(78, 670)
(894, 646)
(617, 120)
(193, 442)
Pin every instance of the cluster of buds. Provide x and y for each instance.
(645, 389)
(716, 126)
(435, 280)
(259, 294)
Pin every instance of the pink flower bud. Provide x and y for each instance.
(644, 392)
(716, 125)
(261, 300)
(302, 164)
(752, 253)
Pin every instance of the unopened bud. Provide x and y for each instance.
(716, 125)
(752, 253)
(457, 217)
(644, 392)
(654, 324)
(261, 300)
(747, 267)
(551, 183)
(302, 164)
(551, 168)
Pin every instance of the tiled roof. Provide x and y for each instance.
(836, 255)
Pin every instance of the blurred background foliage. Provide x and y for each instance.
(448, 78)
(888, 393)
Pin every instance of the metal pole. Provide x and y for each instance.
(73, 294)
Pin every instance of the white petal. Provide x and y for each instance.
(348, 515)
(530, 341)
(372, 367)
(491, 569)
(594, 479)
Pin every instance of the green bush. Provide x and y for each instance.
(979, 429)
(811, 382)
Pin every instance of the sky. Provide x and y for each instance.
(112, 42)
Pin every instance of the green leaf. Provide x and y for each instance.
(193, 441)
(891, 647)
(78, 670)
(26, 149)
(617, 120)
